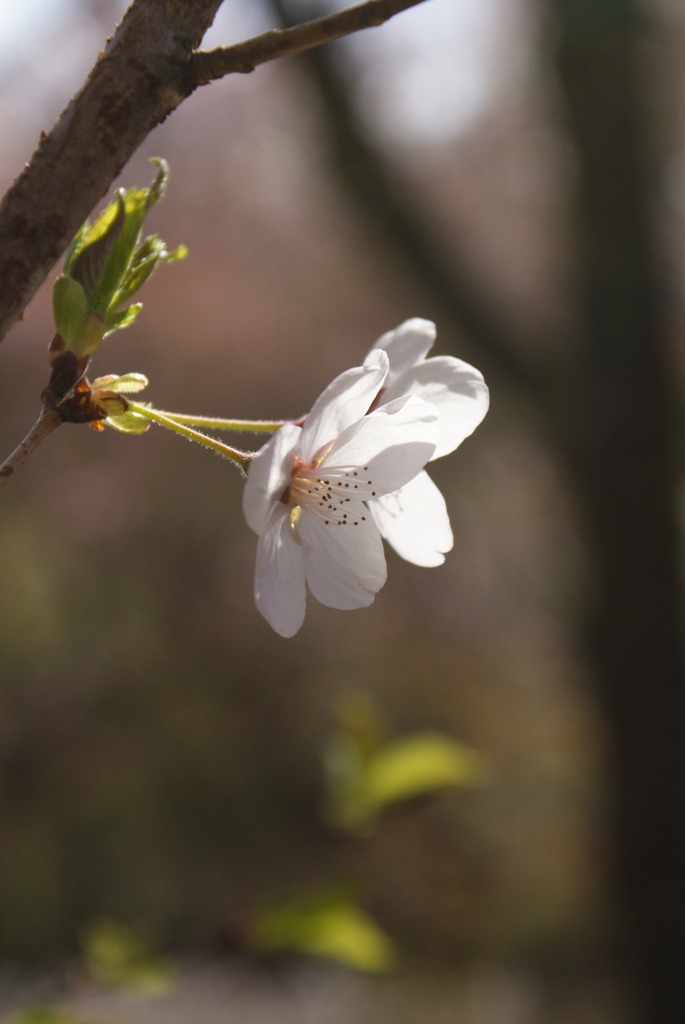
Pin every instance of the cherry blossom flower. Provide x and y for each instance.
(309, 490)
(414, 519)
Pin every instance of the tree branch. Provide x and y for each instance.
(48, 421)
(139, 79)
(245, 57)
(148, 68)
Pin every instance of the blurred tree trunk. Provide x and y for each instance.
(612, 410)
(622, 435)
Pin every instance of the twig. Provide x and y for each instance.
(48, 421)
(206, 66)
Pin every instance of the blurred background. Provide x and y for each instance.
(512, 170)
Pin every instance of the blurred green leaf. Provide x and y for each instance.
(399, 770)
(326, 927)
(118, 957)
(418, 764)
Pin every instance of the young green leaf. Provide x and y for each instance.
(334, 928)
(107, 263)
(399, 770)
(118, 957)
(70, 306)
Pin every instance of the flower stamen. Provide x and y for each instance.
(334, 500)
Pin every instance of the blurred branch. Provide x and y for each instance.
(467, 300)
(147, 69)
(627, 464)
(244, 57)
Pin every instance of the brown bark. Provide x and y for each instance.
(139, 79)
(244, 57)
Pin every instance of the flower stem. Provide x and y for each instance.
(48, 421)
(241, 459)
(217, 423)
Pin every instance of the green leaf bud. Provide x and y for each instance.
(70, 306)
(106, 264)
(111, 404)
(107, 396)
(80, 329)
(128, 422)
(90, 334)
(87, 259)
(127, 383)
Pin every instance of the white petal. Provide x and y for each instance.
(455, 388)
(346, 399)
(279, 588)
(393, 442)
(344, 565)
(269, 475)
(406, 345)
(414, 522)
